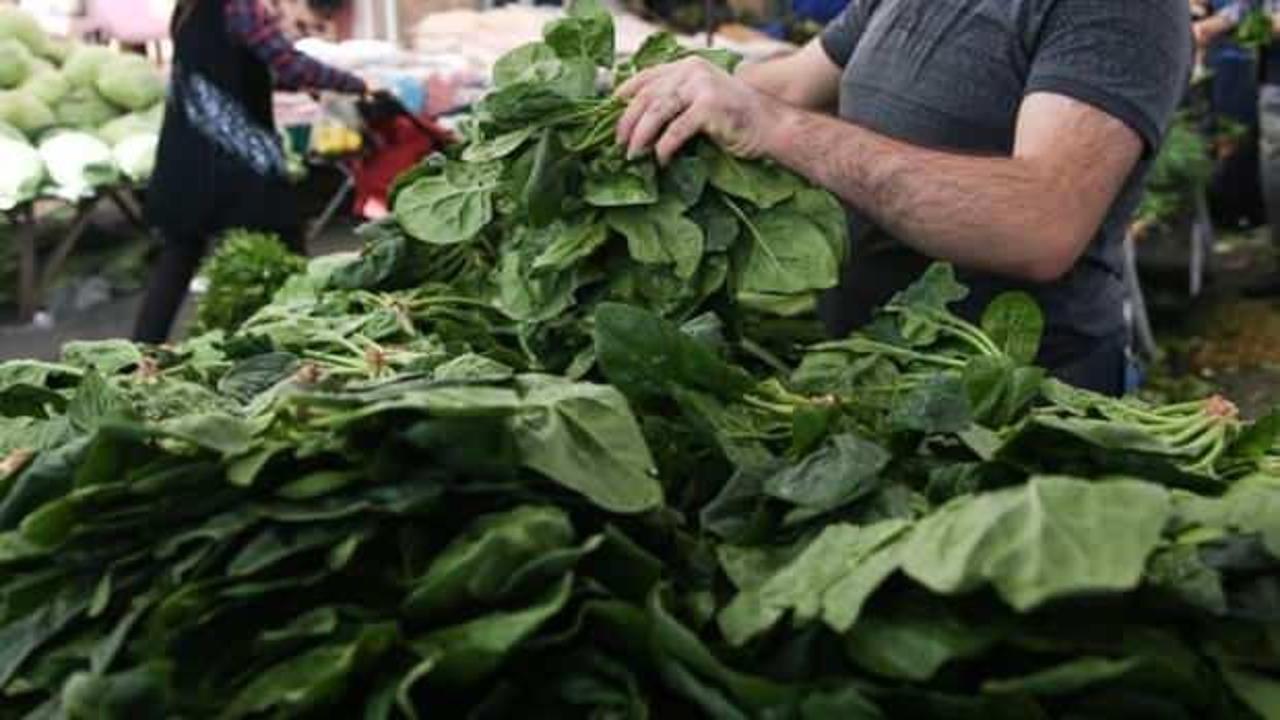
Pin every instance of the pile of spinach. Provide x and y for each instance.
(542, 212)
(435, 481)
(366, 504)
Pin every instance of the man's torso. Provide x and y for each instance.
(951, 75)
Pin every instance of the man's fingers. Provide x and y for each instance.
(680, 131)
(639, 82)
(656, 116)
(630, 116)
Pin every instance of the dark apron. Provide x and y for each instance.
(220, 163)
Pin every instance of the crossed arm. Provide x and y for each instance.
(1029, 216)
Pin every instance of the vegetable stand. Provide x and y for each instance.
(554, 445)
(35, 275)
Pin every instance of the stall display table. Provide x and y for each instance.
(36, 275)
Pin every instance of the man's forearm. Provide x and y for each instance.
(995, 214)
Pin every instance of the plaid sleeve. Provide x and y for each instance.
(250, 23)
(1232, 12)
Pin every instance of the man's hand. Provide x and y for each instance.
(671, 104)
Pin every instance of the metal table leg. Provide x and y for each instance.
(1202, 241)
(335, 204)
(1137, 302)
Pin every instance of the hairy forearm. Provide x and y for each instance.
(996, 214)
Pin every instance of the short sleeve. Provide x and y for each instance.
(841, 35)
(1128, 58)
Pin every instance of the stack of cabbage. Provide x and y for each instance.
(72, 118)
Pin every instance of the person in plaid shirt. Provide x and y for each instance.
(221, 164)
(252, 24)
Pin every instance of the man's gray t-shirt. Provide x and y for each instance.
(951, 75)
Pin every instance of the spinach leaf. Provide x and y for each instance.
(586, 33)
(815, 585)
(571, 243)
(1014, 323)
(610, 183)
(644, 356)
(1053, 538)
(660, 234)
(915, 640)
(584, 437)
(761, 184)
(843, 470)
(786, 254)
(442, 210)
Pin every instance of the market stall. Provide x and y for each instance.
(567, 445)
(566, 438)
(79, 127)
(36, 274)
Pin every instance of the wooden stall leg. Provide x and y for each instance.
(127, 204)
(84, 211)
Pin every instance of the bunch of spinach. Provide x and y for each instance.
(243, 273)
(565, 220)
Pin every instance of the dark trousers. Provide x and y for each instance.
(1106, 368)
(170, 280)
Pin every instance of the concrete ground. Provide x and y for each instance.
(1223, 341)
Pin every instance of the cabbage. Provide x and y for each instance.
(136, 156)
(15, 63)
(131, 82)
(11, 132)
(77, 162)
(155, 114)
(18, 25)
(84, 63)
(47, 84)
(126, 126)
(25, 112)
(57, 50)
(21, 173)
(83, 109)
